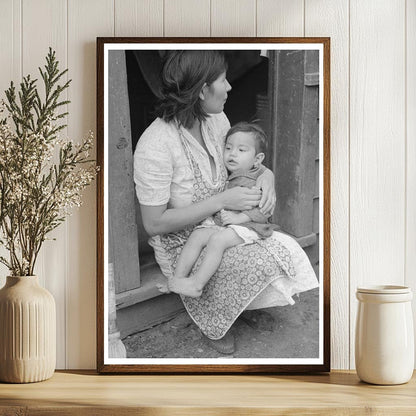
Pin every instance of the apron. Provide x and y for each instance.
(245, 270)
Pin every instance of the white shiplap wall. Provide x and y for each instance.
(373, 132)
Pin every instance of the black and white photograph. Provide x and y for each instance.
(213, 214)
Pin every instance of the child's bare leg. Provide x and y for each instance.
(217, 244)
(191, 250)
(189, 255)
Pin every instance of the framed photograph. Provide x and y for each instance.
(213, 205)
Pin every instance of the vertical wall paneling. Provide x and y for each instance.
(330, 18)
(10, 44)
(280, 18)
(411, 151)
(187, 18)
(86, 21)
(377, 146)
(44, 24)
(7, 40)
(138, 18)
(233, 18)
(10, 65)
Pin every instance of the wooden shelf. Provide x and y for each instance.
(86, 393)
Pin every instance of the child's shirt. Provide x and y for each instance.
(259, 222)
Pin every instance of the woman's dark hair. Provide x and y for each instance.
(183, 75)
(258, 133)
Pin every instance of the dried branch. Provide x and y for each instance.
(37, 194)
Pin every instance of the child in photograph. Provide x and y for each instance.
(245, 145)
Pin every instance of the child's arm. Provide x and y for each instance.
(232, 217)
(256, 215)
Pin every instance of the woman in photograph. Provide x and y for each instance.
(180, 181)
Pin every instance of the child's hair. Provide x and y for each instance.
(258, 134)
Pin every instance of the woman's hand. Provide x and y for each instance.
(232, 217)
(268, 198)
(240, 198)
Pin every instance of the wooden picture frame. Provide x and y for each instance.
(296, 110)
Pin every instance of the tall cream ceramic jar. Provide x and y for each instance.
(27, 331)
(384, 341)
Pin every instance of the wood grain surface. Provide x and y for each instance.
(84, 20)
(377, 149)
(51, 264)
(233, 18)
(82, 393)
(410, 260)
(330, 18)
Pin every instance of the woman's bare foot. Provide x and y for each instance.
(184, 286)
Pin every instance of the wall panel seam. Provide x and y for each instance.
(210, 18)
(66, 222)
(304, 17)
(349, 186)
(405, 144)
(21, 39)
(164, 18)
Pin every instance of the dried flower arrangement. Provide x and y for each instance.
(41, 175)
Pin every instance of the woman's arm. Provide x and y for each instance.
(161, 219)
(265, 182)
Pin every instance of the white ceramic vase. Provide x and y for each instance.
(27, 331)
(384, 340)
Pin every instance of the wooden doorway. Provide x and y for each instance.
(278, 89)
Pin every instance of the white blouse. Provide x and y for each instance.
(162, 173)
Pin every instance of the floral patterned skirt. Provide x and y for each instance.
(244, 273)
